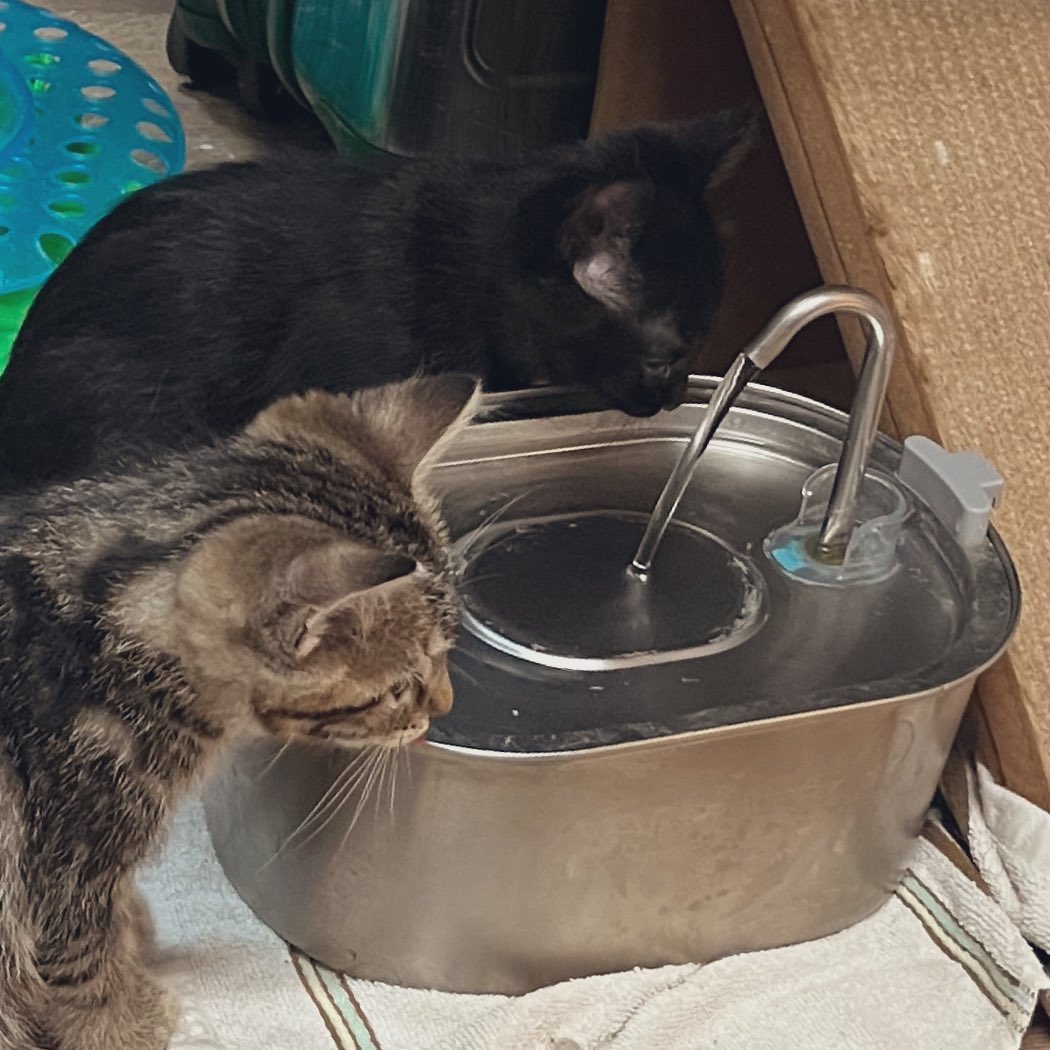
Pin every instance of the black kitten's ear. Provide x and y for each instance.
(718, 142)
(335, 582)
(410, 422)
(596, 239)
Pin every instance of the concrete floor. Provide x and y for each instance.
(216, 128)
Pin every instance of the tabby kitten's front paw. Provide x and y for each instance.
(139, 1018)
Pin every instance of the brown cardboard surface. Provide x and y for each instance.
(917, 136)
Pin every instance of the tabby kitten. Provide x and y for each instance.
(293, 580)
(203, 298)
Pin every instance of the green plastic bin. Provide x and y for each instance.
(483, 78)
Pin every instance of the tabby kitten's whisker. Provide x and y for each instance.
(327, 807)
(273, 761)
(408, 763)
(485, 577)
(363, 792)
(361, 802)
(330, 793)
(399, 755)
(336, 796)
(324, 801)
(391, 778)
(384, 767)
(377, 787)
(488, 523)
(458, 668)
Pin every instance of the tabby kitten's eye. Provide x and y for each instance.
(404, 691)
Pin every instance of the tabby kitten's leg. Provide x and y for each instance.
(101, 997)
(21, 993)
(142, 928)
(18, 1009)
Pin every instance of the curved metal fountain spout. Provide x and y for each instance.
(840, 519)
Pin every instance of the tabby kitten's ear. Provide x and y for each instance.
(335, 584)
(410, 422)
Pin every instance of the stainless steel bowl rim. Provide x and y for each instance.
(969, 655)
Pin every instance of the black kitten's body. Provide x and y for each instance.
(202, 299)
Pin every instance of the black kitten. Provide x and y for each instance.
(204, 298)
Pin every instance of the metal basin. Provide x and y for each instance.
(735, 759)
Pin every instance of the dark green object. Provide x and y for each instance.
(211, 41)
(486, 78)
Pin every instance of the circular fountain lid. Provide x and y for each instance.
(575, 605)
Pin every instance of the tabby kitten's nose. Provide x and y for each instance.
(439, 694)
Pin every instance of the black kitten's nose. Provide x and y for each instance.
(656, 370)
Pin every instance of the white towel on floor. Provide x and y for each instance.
(1009, 840)
(941, 965)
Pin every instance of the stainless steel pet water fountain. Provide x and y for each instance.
(677, 734)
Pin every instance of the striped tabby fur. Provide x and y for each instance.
(293, 579)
